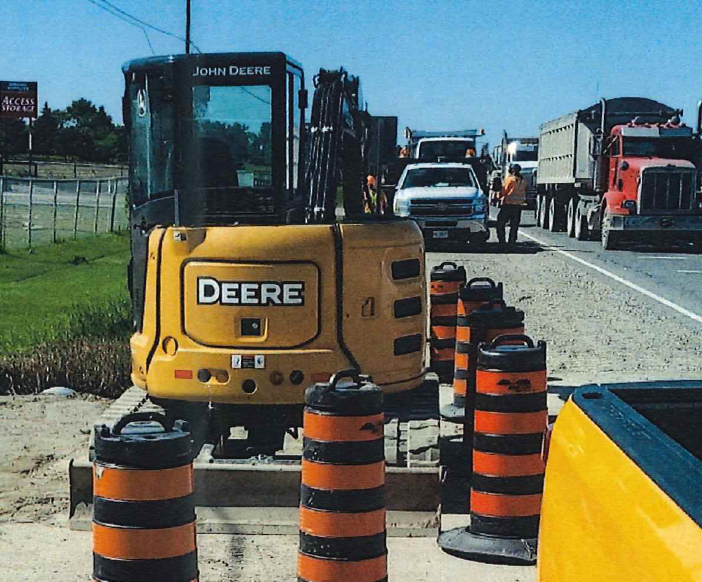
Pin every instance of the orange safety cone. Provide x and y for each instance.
(144, 516)
(446, 280)
(342, 505)
(508, 468)
(478, 292)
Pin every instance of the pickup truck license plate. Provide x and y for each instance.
(440, 234)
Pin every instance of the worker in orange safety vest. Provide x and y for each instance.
(512, 199)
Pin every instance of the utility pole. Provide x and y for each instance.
(187, 27)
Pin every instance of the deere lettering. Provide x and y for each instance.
(231, 71)
(210, 291)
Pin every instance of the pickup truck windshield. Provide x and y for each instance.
(430, 177)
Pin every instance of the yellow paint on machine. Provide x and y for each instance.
(301, 335)
(603, 519)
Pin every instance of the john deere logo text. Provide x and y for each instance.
(210, 291)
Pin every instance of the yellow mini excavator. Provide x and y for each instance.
(246, 285)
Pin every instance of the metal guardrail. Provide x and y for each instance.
(40, 211)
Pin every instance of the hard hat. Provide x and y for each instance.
(515, 169)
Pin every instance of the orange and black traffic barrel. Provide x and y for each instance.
(486, 320)
(508, 469)
(342, 504)
(143, 516)
(446, 280)
(474, 294)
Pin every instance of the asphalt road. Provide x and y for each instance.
(672, 272)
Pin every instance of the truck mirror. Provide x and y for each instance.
(302, 98)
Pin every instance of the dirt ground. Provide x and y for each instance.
(595, 330)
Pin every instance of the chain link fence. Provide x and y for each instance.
(34, 211)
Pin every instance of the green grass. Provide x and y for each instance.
(61, 291)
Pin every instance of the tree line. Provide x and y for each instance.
(80, 132)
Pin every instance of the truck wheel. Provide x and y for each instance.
(570, 220)
(580, 230)
(697, 244)
(543, 212)
(555, 215)
(609, 237)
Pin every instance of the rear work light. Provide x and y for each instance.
(184, 374)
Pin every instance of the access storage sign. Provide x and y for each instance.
(18, 99)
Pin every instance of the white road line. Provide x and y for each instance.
(691, 272)
(634, 286)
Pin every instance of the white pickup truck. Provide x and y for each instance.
(446, 201)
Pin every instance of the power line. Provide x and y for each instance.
(146, 34)
(122, 15)
(147, 24)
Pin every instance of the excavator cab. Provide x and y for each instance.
(246, 286)
(215, 140)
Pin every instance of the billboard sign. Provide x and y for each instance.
(18, 99)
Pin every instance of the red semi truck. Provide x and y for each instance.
(619, 169)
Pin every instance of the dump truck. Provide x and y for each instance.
(623, 485)
(620, 168)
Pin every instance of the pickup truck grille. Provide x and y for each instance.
(666, 191)
(433, 207)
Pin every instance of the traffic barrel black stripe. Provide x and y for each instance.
(443, 299)
(350, 501)
(178, 569)
(344, 453)
(508, 527)
(352, 549)
(513, 403)
(443, 344)
(512, 444)
(144, 514)
(524, 485)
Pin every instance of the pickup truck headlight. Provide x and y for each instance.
(401, 206)
(480, 206)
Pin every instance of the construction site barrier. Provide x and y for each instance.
(144, 517)
(342, 505)
(508, 469)
(445, 281)
(474, 294)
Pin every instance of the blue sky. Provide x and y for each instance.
(435, 64)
